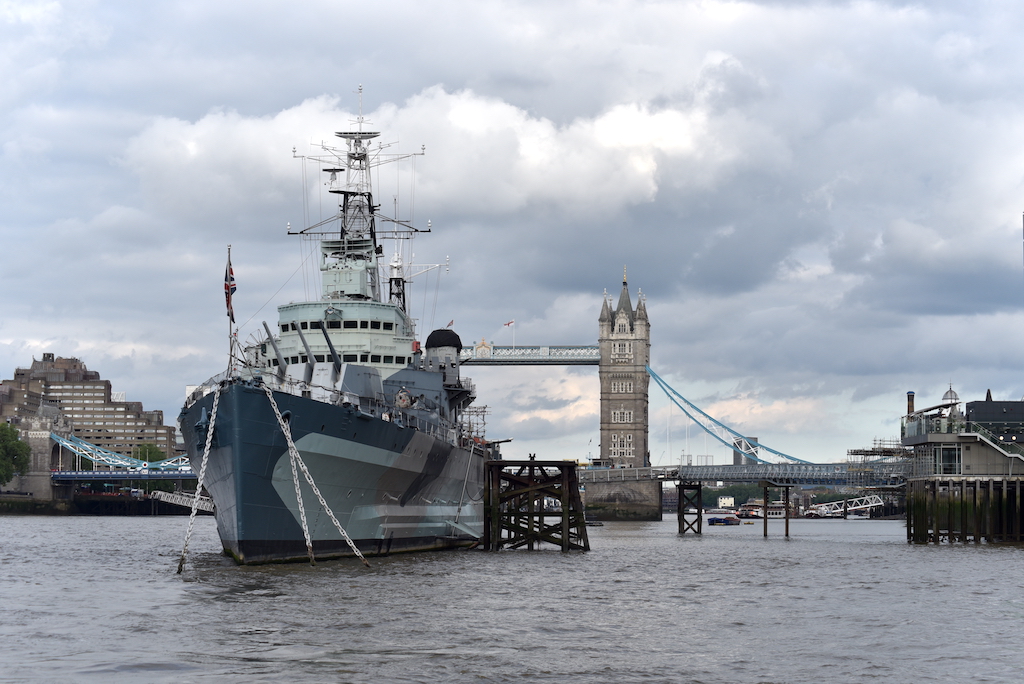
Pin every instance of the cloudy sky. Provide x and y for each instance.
(821, 201)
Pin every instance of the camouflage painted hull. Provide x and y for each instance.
(392, 488)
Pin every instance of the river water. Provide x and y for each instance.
(97, 599)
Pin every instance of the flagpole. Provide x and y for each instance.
(228, 284)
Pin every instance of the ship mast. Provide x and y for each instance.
(351, 261)
(358, 229)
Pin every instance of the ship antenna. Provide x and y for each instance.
(359, 119)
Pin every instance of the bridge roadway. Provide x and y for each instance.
(543, 355)
(69, 476)
(871, 474)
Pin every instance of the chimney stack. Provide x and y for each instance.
(910, 403)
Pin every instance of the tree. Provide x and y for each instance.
(13, 453)
(149, 453)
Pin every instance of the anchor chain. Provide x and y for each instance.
(202, 475)
(298, 492)
(293, 455)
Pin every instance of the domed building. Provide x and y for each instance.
(967, 469)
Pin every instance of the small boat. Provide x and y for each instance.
(728, 520)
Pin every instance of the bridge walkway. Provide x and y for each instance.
(881, 474)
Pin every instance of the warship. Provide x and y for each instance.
(390, 452)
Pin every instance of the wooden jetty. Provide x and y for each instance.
(531, 502)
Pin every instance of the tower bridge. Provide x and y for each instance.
(621, 355)
(623, 472)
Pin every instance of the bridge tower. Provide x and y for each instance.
(625, 345)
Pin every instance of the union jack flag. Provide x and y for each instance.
(229, 288)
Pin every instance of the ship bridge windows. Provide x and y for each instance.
(309, 325)
(346, 358)
(351, 324)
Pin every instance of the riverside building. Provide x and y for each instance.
(98, 415)
(967, 479)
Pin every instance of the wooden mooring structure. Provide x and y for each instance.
(691, 495)
(690, 505)
(527, 503)
(964, 509)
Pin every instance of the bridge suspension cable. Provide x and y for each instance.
(716, 428)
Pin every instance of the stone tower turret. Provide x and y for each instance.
(625, 342)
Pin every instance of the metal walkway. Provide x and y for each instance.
(184, 499)
(835, 509)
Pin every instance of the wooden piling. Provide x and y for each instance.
(987, 511)
(785, 498)
(764, 509)
(1017, 513)
(517, 510)
(965, 509)
(690, 494)
(962, 525)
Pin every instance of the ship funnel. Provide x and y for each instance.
(910, 403)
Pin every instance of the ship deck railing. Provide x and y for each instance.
(371, 408)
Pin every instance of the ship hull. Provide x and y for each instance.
(393, 488)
